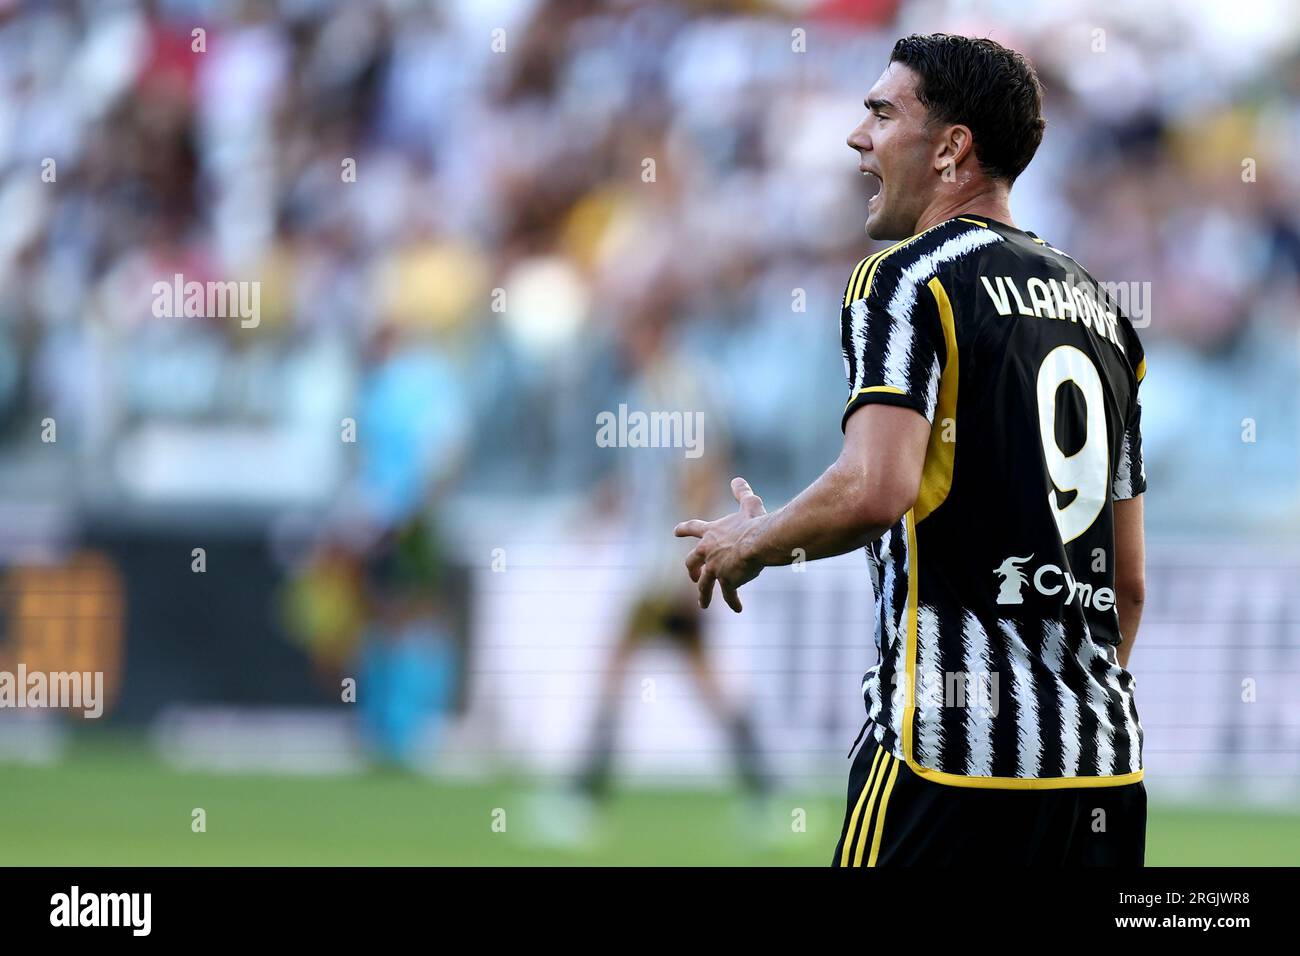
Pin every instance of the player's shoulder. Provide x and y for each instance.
(1133, 350)
(907, 266)
(1110, 299)
(1113, 298)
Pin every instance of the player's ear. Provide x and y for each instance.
(955, 144)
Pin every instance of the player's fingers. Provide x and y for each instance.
(750, 503)
(694, 562)
(731, 596)
(691, 529)
(706, 587)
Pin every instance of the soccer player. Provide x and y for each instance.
(653, 481)
(992, 468)
(649, 483)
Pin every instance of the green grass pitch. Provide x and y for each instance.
(119, 806)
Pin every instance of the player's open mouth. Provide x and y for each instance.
(880, 183)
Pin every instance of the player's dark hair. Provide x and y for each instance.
(983, 85)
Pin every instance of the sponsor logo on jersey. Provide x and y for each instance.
(1049, 581)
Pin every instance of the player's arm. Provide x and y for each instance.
(1130, 572)
(872, 484)
(894, 349)
(1127, 492)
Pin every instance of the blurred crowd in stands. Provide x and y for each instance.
(456, 209)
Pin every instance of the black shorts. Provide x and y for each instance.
(669, 617)
(896, 818)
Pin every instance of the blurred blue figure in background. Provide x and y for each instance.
(411, 428)
(408, 684)
(407, 657)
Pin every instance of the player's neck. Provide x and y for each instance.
(990, 201)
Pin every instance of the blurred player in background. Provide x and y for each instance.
(373, 599)
(649, 483)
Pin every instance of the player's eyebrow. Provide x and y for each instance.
(875, 105)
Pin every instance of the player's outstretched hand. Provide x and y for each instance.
(721, 555)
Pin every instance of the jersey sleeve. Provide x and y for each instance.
(1130, 472)
(892, 338)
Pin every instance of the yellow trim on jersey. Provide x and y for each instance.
(909, 713)
(1142, 369)
(936, 476)
(864, 283)
(866, 819)
(855, 279)
(984, 225)
(880, 814)
(887, 389)
(857, 288)
(853, 817)
(880, 257)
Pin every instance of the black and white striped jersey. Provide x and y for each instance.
(995, 604)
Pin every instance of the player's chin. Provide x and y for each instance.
(879, 226)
